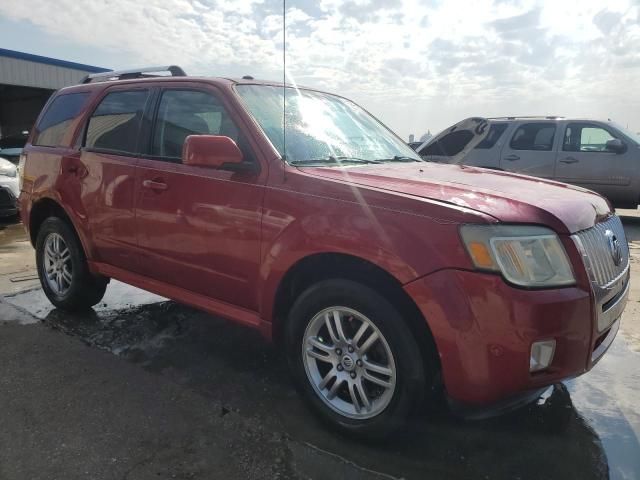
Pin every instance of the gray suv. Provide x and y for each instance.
(599, 155)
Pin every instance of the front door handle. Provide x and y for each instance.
(154, 185)
(512, 158)
(569, 160)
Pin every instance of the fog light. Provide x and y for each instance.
(541, 355)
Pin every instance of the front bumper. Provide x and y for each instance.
(484, 328)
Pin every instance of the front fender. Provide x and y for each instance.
(405, 248)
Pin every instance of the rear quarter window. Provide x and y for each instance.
(53, 126)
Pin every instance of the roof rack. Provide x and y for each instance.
(134, 73)
(533, 117)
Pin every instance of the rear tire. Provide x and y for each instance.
(63, 270)
(354, 359)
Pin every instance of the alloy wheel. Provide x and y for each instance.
(57, 264)
(349, 363)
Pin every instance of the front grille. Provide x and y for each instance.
(6, 198)
(597, 252)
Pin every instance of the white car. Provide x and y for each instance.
(9, 189)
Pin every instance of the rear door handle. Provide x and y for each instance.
(154, 185)
(512, 158)
(78, 170)
(569, 160)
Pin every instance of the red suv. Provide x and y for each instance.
(383, 277)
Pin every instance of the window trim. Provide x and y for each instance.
(588, 124)
(99, 100)
(518, 126)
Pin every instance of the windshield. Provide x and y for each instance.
(632, 135)
(321, 127)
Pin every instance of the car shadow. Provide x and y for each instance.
(236, 368)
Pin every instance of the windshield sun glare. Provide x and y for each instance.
(320, 126)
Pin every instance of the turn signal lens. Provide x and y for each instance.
(481, 256)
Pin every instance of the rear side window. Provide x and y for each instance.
(52, 128)
(495, 132)
(115, 124)
(534, 136)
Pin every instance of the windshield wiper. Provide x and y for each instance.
(333, 160)
(398, 158)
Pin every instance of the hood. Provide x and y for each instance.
(509, 198)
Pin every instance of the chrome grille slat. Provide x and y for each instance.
(598, 258)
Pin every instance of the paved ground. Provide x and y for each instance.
(17, 265)
(145, 388)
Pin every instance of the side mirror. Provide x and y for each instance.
(213, 151)
(616, 146)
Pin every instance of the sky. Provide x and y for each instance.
(415, 64)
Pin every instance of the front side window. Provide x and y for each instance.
(534, 136)
(584, 137)
(188, 112)
(321, 127)
(115, 124)
(52, 128)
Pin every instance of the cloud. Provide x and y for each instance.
(418, 64)
(606, 21)
(365, 11)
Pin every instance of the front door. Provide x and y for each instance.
(584, 160)
(198, 228)
(530, 150)
(107, 171)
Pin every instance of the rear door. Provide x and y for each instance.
(531, 150)
(107, 172)
(584, 160)
(198, 228)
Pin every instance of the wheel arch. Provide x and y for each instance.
(47, 207)
(322, 266)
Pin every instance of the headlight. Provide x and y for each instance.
(526, 256)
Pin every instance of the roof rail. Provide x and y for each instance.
(532, 117)
(134, 73)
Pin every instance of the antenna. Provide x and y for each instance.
(284, 81)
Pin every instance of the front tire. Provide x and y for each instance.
(354, 359)
(63, 270)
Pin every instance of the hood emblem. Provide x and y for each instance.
(614, 247)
